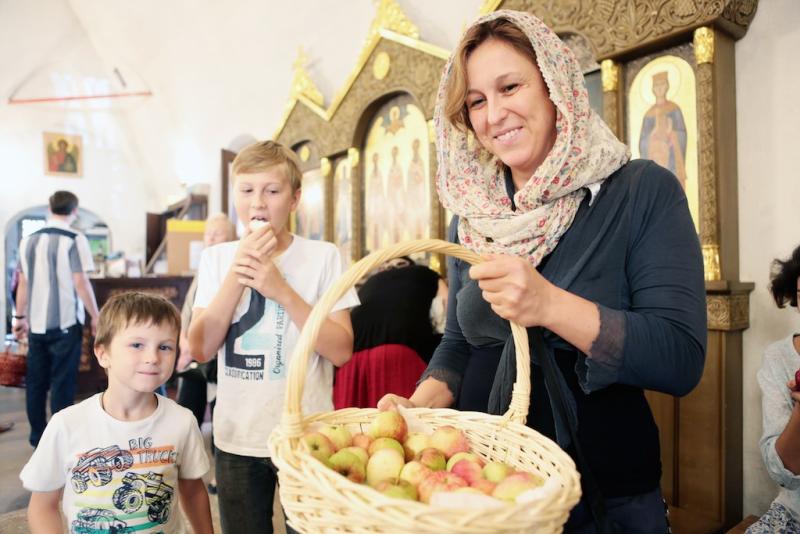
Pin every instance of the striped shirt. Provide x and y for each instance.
(48, 258)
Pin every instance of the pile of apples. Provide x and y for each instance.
(414, 465)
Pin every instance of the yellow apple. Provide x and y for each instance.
(385, 463)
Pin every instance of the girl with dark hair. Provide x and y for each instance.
(780, 398)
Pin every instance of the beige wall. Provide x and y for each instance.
(768, 117)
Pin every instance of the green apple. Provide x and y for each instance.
(385, 463)
(496, 471)
(339, 435)
(358, 451)
(432, 458)
(386, 443)
(449, 440)
(415, 472)
(319, 446)
(414, 443)
(349, 465)
(471, 456)
(397, 488)
(389, 424)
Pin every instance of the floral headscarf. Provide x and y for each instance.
(471, 181)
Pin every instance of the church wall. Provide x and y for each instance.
(768, 115)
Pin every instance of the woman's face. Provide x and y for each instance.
(510, 108)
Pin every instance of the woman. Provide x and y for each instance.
(597, 253)
(780, 443)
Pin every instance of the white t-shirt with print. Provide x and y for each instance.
(251, 379)
(118, 476)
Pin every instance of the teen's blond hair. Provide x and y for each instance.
(131, 308)
(263, 156)
(455, 108)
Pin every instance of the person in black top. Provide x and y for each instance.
(592, 252)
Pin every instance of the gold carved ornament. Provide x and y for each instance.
(728, 312)
(325, 166)
(704, 45)
(609, 74)
(381, 65)
(353, 157)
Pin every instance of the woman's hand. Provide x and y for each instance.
(391, 401)
(515, 290)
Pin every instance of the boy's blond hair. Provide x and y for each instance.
(263, 156)
(131, 308)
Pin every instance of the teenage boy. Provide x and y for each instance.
(120, 460)
(253, 298)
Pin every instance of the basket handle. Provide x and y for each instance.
(298, 366)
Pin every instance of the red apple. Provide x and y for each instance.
(414, 443)
(484, 486)
(797, 380)
(362, 440)
(469, 471)
(397, 488)
(515, 484)
(385, 463)
(471, 456)
(415, 472)
(386, 443)
(432, 458)
(449, 440)
(319, 446)
(439, 481)
(339, 435)
(349, 465)
(389, 424)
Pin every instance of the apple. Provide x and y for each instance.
(397, 488)
(389, 424)
(339, 436)
(496, 471)
(797, 380)
(358, 451)
(319, 446)
(439, 481)
(349, 465)
(432, 458)
(415, 472)
(414, 443)
(362, 440)
(449, 440)
(484, 486)
(385, 463)
(469, 489)
(468, 470)
(515, 484)
(471, 456)
(386, 443)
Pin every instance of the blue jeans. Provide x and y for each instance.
(245, 491)
(53, 359)
(640, 514)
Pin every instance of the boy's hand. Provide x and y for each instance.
(260, 242)
(261, 274)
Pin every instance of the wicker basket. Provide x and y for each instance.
(317, 499)
(13, 365)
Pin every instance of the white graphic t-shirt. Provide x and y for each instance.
(118, 476)
(254, 359)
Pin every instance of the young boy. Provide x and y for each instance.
(253, 298)
(119, 460)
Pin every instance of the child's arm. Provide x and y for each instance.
(44, 516)
(209, 326)
(194, 502)
(335, 341)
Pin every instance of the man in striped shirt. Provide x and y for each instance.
(53, 297)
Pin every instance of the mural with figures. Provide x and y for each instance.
(662, 121)
(343, 211)
(396, 176)
(310, 216)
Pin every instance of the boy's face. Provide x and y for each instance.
(265, 196)
(140, 357)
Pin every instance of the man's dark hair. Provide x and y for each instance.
(783, 284)
(63, 203)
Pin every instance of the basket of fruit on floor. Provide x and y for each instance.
(423, 470)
